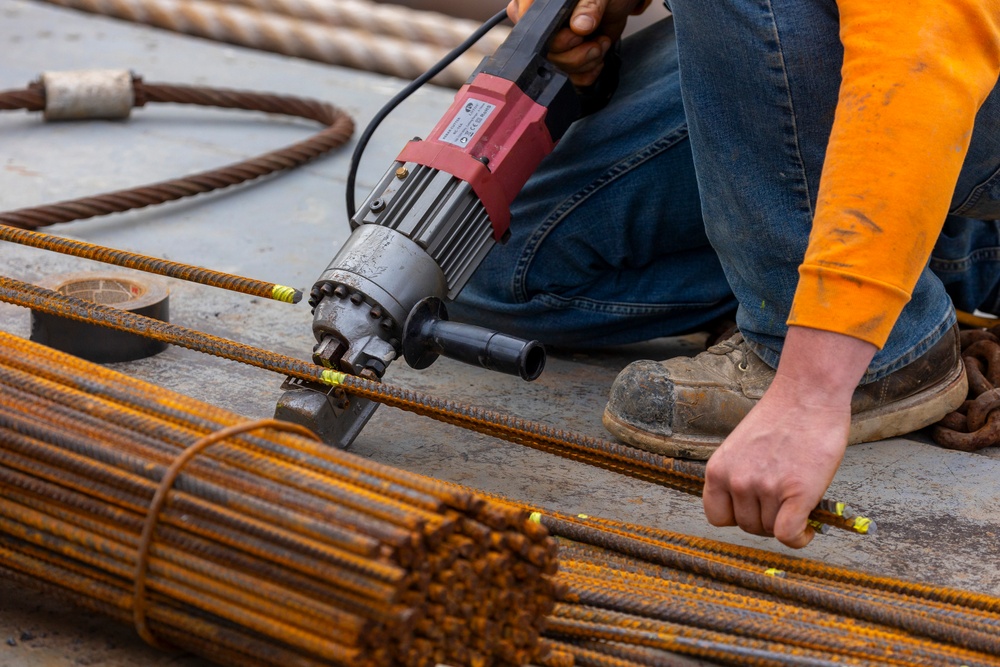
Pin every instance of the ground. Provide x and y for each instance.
(937, 511)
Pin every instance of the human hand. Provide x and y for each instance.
(594, 27)
(774, 468)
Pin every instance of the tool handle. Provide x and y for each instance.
(521, 58)
(428, 334)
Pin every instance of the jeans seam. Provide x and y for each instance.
(917, 351)
(770, 357)
(964, 264)
(618, 307)
(559, 214)
(796, 146)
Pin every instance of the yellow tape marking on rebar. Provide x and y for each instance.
(283, 293)
(583, 516)
(839, 509)
(332, 377)
(535, 517)
(861, 525)
(774, 572)
(816, 525)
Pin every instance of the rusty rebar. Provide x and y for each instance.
(149, 264)
(673, 473)
(940, 639)
(382, 583)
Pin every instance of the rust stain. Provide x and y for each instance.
(21, 171)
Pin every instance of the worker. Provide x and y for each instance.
(828, 168)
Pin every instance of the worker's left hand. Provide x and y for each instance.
(774, 468)
(594, 27)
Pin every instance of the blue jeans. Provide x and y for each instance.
(693, 193)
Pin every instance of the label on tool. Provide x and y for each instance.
(467, 122)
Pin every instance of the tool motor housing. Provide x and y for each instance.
(433, 217)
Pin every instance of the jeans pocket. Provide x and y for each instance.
(983, 202)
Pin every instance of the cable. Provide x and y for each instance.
(359, 150)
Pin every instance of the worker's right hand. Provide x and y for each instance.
(594, 26)
(774, 468)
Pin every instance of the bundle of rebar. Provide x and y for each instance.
(250, 543)
(633, 596)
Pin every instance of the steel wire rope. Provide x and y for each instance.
(17, 226)
(338, 130)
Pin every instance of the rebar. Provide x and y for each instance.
(673, 473)
(247, 564)
(633, 595)
(162, 267)
(201, 548)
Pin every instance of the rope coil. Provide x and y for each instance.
(17, 225)
(338, 130)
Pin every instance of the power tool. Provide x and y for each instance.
(430, 221)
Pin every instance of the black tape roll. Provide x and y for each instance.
(143, 296)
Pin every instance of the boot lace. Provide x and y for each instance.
(734, 343)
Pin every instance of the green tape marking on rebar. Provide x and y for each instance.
(286, 294)
(332, 377)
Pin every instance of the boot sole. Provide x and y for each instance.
(898, 418)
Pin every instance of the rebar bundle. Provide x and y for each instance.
(250, 543)
(632, 596)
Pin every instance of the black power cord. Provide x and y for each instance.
(403, 94)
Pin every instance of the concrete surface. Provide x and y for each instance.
(938, 512)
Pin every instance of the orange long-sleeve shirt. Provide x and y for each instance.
(915, 73)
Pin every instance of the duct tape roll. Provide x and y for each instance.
(142, 296)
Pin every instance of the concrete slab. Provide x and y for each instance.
(937, 510)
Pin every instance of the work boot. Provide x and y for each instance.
(686, 406)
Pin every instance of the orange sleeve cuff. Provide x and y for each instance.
(843, 302)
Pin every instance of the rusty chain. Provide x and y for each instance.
(976, 423)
